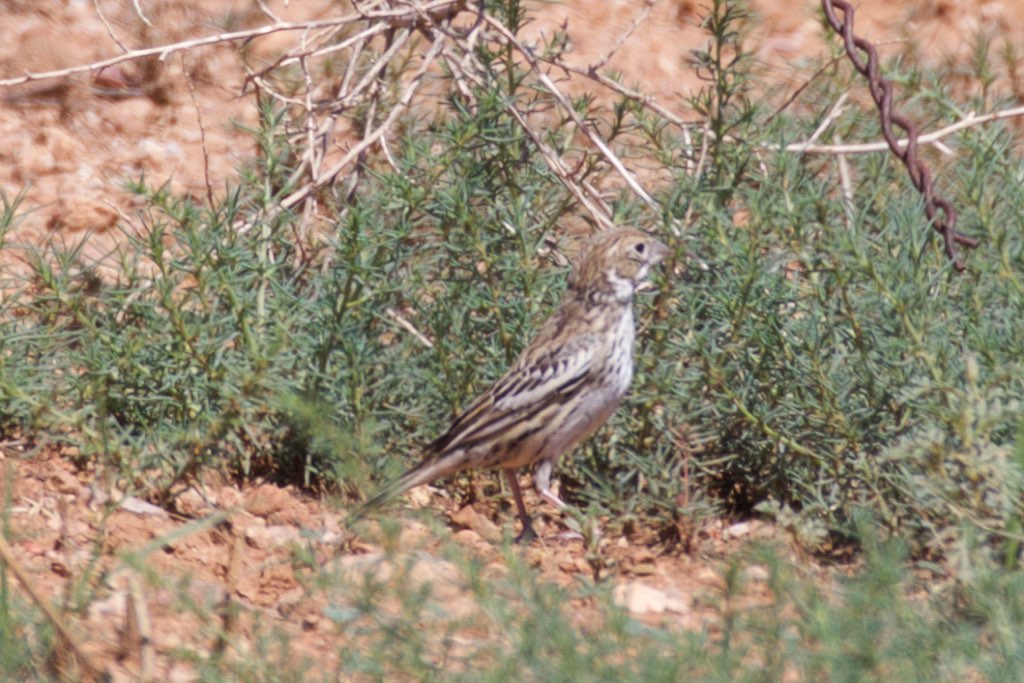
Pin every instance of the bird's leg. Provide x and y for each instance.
(542, 483)
(527, 534)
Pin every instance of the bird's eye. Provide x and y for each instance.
(639, 247)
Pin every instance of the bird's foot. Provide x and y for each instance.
(548, 495)
(528, 534)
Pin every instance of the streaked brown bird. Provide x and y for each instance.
(563, 386)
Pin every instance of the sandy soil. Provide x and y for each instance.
(70, 143)
(170, 578)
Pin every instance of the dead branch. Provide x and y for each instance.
(386, 18)
(563, 101)
(90, 670)
(969, 121)
(368, 140)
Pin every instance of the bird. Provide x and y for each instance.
(563, 386)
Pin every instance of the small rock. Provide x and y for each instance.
(420, 497)
(266, 499)
(116, 77)
(757, 573)
(229, 496)
(645, 569)
(331, 538)
(271, 536)
(469, 518)
(248, 587)
(468, 538)
(191, 503)
(241, 521)
(737, 530)
(639, 598)
(76, 213)
(141, 507)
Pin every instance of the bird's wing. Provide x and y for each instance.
(543, 376)
(517, 405)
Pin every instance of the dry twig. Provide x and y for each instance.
(91, 671)
(563, 101)
(970, 121)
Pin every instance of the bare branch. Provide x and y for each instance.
(107, 26)
(584, 127)
(404, 323)
(164, 51)
(832, 115)
(368, 140)
(202, 131)
(637, 20)
(586, 195)
(969, 121)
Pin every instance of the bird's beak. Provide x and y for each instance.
(659, 252)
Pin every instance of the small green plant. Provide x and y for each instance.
(807, 353)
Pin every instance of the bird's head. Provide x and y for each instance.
(616, 262)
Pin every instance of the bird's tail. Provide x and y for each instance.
(430, 469)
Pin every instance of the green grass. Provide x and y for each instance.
(770, 620)
(801, 359)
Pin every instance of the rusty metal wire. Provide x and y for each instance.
(881, 92)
